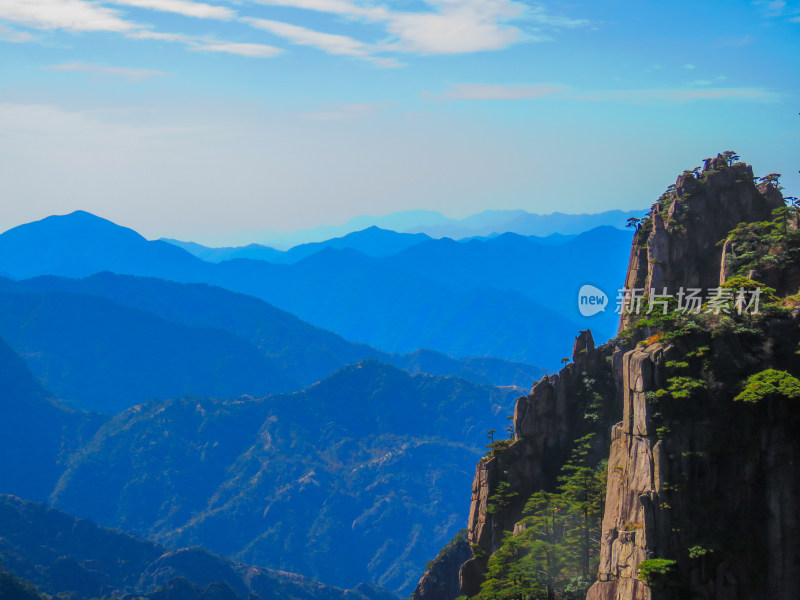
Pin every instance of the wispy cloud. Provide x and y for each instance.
(330, 43)
(680, 95)
(327, 42)
(83, 16)
(336, 7)
(249, 50)
(206, 44)
(438, 27)
(480, 91)
(10, 35)
(129, 74)
(72, 15)
(779, 9)
(448, 26)
(182, 7)
(772, 8)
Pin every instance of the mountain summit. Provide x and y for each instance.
(80, 244)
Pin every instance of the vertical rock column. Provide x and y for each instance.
(629, 532)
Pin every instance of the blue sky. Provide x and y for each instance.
(202, 119)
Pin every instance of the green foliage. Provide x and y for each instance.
(730, 156)
(684, 387)
(555, 554)
(699, 352)
(595, 402)
(678, 388)
(769, 384)
(498, 446)
(502, 498)
(657, 572)
(764, 245)
(677, 364)
(699, 552)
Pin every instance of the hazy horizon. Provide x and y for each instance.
(185, 119)
(284, 239)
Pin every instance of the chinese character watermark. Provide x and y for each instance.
(716, 301)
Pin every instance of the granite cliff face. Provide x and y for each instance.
(703, 484)
(703, 480)
(546, 423)
(694, 476)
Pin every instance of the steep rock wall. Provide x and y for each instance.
(717, 489)
(723, 478)
(546, 423)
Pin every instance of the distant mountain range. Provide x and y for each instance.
(366, 460)
(372, 241)
(91, 340)
(518, 288)
(196, 407)
(435, 224)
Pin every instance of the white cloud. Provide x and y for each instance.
(448, 26)
(131, 75)
(206, 44)
(336, 7)
(80, 15)
(182, 7)
(453, 31)
(160, 36)
(330, 43)
(480, 91)
(10, 35)
(689, 67)
(439, 27)
(73, 15)
(327, 42)
(680, 95)
(249, 50)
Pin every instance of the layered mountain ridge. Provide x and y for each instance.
(62, 555)
(439, 288)
(365, 458)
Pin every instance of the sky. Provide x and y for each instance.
(222, 119)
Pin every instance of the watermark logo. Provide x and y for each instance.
(591, 300)
(718, 300)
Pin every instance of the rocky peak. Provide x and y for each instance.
(678, 243)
